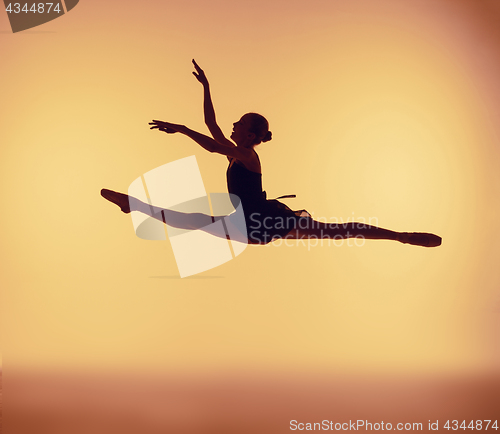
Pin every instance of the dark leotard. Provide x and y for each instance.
(265, 219)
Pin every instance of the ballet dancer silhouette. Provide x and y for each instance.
(266, 220)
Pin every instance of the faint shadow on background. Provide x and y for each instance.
(190, 277)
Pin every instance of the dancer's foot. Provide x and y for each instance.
(419, 239)
(119, 199)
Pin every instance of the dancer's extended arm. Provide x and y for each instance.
(208, 108)
(242, 154)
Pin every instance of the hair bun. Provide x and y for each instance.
(268, 136)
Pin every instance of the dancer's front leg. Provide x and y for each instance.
(309, 228)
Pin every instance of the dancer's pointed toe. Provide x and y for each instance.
(419, 239)
(119, 199)
(434, 240)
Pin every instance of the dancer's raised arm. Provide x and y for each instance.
(208, 108)
(244, 155)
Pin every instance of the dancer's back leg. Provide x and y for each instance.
(181, 220)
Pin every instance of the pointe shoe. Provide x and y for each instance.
(419, 239)
(119, 199)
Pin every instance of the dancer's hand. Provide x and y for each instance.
(200, 74)
(166, 127)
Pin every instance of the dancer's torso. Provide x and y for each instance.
(265, 219)
(245, 184)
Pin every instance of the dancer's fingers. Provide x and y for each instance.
(200, 75)
(164, 126)
(159, 123)
(155, 121)
(164, 129)
(196, 66)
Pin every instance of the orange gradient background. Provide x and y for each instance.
(379, 109)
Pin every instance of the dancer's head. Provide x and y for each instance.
(251, 130)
